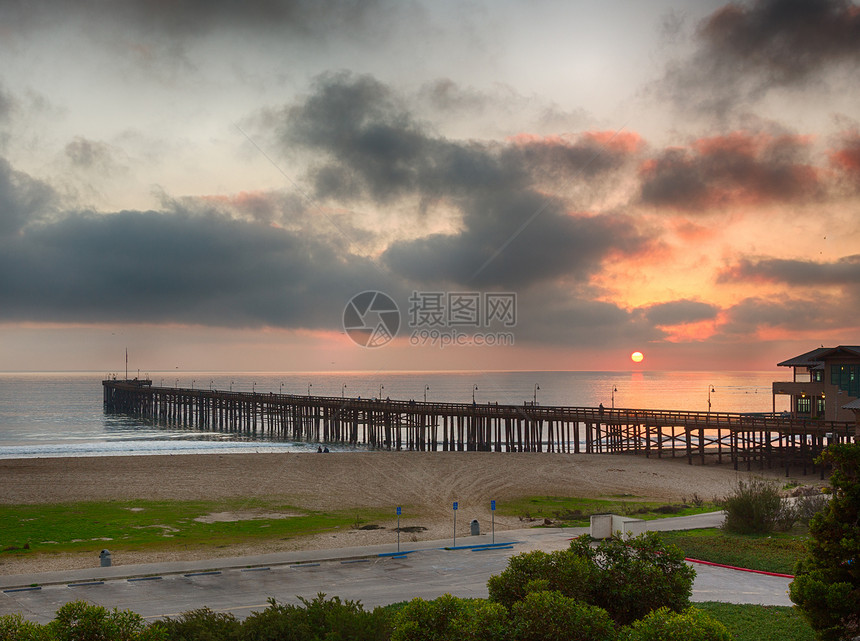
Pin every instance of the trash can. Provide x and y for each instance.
(105, 558)
(476, 527)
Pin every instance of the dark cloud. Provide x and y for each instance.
(846, 159)
(369, 148)
(192, 17)
(753, 315)
(844, 271)
(178, 267)
(556, 315)
(746, 49)
(678, 312)
(23, 200)
(90, 154)
(785, 41)
(725, 171)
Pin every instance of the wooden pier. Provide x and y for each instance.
(744, 439)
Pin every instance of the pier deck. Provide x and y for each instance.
(746, 439)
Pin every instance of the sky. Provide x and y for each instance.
(214, 185)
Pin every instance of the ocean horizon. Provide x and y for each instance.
(56, 414)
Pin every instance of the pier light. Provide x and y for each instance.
(710, 391)
(343, 390)
(231, 386)
(162, 383)
(176, 384)
(426, 389)
(254, 387)
(612, 395)
(537, 387)
(193, 380)
(474, 389)
(281, 389)
(310, 385)
(211, 383)
(381, 387)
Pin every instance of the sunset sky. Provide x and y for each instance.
(208, 183)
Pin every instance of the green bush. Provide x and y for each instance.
(451, 618)
(317, 620)
(755, 507)
(13, 627)
(632, 577)
(203, 625)
(550, 616)
(627, 578)
(827, 583)
(665, 625)
(536, 571)
(81, 621)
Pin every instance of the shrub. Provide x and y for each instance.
(80, 621)
(632, 577)
(628, 578)
(203, 625)
(827, 585)
(13, 627)
(449, 617)
(665, 625)
(316, 620)
(550, 616)
(753, 508)
(560, 571)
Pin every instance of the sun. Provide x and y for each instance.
(637, 357)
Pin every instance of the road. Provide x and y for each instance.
(244, 585)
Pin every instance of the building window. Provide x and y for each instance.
(847, 378)
(818, 376)
(819, 406)
(804, 405)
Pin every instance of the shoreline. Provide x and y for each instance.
(425, 483)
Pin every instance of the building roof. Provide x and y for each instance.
(815, 358)
(853, 405)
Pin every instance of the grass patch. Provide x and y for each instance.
(153, 525)
(759, 622)
(576, 512)
(769, 552)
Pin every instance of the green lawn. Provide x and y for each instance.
(576, 512)
(148, 525)
(759, 622)
(776, 552)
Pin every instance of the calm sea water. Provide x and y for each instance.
(61, 414)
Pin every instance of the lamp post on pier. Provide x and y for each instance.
(710, 390)
(474, 389)
(343, 391)
(426, 389)
(612, 395)
(537, 387)
(281, 389)
(310, 385)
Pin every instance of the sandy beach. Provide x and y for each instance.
(424, 483)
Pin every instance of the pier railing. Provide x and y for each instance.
(746, 438)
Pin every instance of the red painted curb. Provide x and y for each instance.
(732, 567)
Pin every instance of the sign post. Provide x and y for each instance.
(455, 523)
(493, 512)
(398, 529)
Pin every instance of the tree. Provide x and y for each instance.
(827, 583)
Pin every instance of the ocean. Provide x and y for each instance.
(61, 414)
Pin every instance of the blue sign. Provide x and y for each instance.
(398, 510)
(492, 505)
(455, 505)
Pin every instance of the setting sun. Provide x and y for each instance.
(637, 357)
